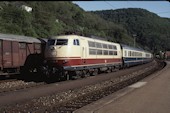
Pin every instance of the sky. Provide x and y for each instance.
(161, 8)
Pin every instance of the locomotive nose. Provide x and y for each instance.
(50, 52)
(52, 48)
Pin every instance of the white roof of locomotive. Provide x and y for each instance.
(18, 38)
(81, 37)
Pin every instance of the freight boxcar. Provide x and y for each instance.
(14, 50)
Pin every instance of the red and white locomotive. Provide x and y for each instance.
(73, 55)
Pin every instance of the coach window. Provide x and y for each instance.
(114, 47)
(105, 52)
(105, 46)
(115, 52)
(91, 44)
(140, 54)
(98, 45)
(125, 53)
(110, 52)
(133, 53)
(110, 46)
(92, 51)
(129, 53)
(99, 52)
(76, 42)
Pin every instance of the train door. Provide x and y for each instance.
(7, 58)
(1, 66)
(83, 52)
(15, 54)
(22, 53)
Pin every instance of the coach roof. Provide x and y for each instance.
(84, 37)
(131, 48)
(18, 38)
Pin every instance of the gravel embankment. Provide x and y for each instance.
(13, 84)
(55, 99)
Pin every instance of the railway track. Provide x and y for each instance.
(70, 100)
(14, 83)
(7, 80)
(76, 103)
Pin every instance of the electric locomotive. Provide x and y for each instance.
(73, 55)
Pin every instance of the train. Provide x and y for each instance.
(73, 55)
(66, 56)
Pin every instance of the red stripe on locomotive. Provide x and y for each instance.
(73, 62)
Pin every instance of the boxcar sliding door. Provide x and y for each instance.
(15, 54)
(22, 53)
(7, 56)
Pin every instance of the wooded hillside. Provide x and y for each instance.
(150, 30)
(56, 18)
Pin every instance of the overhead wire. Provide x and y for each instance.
(163, 12)
(110, 5)
(128, 2)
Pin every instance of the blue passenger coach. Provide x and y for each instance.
(134, 56)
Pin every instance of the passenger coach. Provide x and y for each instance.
(135, 56)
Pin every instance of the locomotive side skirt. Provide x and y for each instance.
(77, 64)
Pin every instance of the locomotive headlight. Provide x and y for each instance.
(65, 61)
(52, 48)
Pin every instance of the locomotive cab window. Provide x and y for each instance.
(62, 42)
(76, 42)
(51, 42)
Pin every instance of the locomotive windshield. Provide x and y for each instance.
(51, 42)
(62, 41)
(57, 42)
